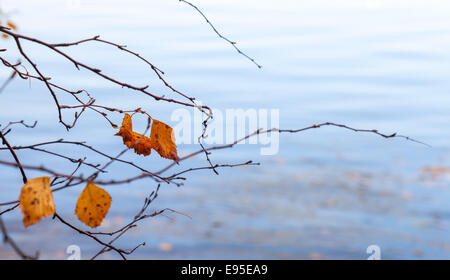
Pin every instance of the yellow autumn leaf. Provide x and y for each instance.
(126, 130)
(36, 200)
(93, 205)
(12, 25)
(163, 140)
(142, 144)
(131, 139)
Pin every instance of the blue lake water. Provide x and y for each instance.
(327, 193)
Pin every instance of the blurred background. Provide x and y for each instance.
(328, 193)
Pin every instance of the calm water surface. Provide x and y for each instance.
(328, 193)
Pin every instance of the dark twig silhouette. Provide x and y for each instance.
(220, 35)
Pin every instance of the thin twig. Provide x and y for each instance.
(11, 150)
(220, 35)
(10, 241)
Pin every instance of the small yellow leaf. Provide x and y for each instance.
(126, 131)
(142, 144)
(127, 123)
(12, 25)
(131, 139)
(93, 205)
(163, 140)
(36, 200)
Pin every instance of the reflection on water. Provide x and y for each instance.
(329, 193)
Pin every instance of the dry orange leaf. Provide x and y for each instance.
(142, 145)
(93, 205)
(131, 139)
(12, 25)
(162, 140)
(36, 200)
(126, 131)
